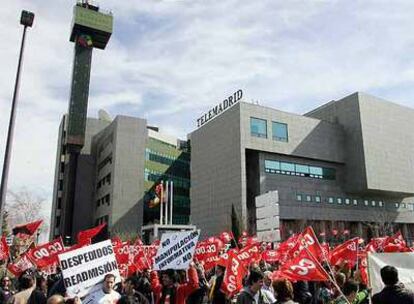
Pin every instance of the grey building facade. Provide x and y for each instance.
(347, 165)
(112, 179)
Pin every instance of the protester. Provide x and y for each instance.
(26, 287)
(170, 291)
(267, 288)
(197, 296)
(39, 294)
(131, 293)
(284, 291)
(106, 294)
(56, 299)
(251, 293)
(216, 296)
(393, 292)
(5, 290)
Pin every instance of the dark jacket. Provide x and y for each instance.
(246, 297)
(393, 294)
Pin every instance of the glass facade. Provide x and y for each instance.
(289, 168)
(258, 127)
(279, 131)
(165, 162)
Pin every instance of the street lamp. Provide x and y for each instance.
(26, 20)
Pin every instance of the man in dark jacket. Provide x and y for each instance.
(250, 293)
(393, 292)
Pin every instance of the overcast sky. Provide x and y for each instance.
(170, 61)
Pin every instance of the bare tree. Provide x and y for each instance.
(23, 206)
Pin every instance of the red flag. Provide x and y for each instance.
(303, 267)
(270, 256)
(307, 239)
(28, 228)
(4, 249)
(19, 266)
(156, 199)
(85, 236)
(233, 277)
(346, 252)
(46, 254)
(249, 254)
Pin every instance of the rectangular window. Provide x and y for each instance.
(355, 202)
(330, 200)
(258, 127)
(403, 205)
(317, 198)
(302, 169)
(308, 198)
(279, 131)
(347, 201)
(381, 203)
(328, 173)
(339, 201)
(272, 165)
(366, 203)
(397, 205)
(315, 170)
(373, 203)
(299, 197)
(287, 167)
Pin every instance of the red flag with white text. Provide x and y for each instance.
(233, 277)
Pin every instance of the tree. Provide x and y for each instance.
(5, 228)
(23, 206)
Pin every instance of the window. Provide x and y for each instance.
(279, 131)
(403, 205)
(299, 197)
(366, 203)
(381, 203)
(330, 200)
(287, 167)
(339, 200)
(258, 127)
(302, 169)
(308, 198)
(317, 198)
(373, 203)
(355, 202)
(397, 205)
(347, 201)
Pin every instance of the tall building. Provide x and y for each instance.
(118, 167)
(347, 165)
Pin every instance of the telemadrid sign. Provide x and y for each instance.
(220, 108)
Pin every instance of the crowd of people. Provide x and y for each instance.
(196, 286)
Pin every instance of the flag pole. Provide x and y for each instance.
(332, 279)
(161, 199)
(171, 201)
(167, 183)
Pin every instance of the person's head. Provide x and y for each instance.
(389, 275)
(255, 281)
(131, 284)
(5, 282)
(350, 290)
(267, 278)
(220, 270)
(283, 290)
(56, 299)
(169, 277)
(26, 281)
(108, 283)
(340, 278)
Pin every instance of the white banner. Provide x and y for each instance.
(176, 250)
(83, 269)
(404, 262)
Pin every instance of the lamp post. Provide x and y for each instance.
(26, 20)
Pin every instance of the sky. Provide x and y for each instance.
(169, 61)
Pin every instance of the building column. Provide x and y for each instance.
(359, 229)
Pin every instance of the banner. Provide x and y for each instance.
(83, 269)
(21, 265)
(46, 254)
(233, 277)
(176, 250)
(404, 262)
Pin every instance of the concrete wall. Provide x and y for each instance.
(216, 165)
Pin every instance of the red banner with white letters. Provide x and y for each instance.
(46, 255)
(233, 277)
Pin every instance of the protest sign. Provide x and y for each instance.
(46, 254)
(404, 262)
(84, 268)
(176, 250)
